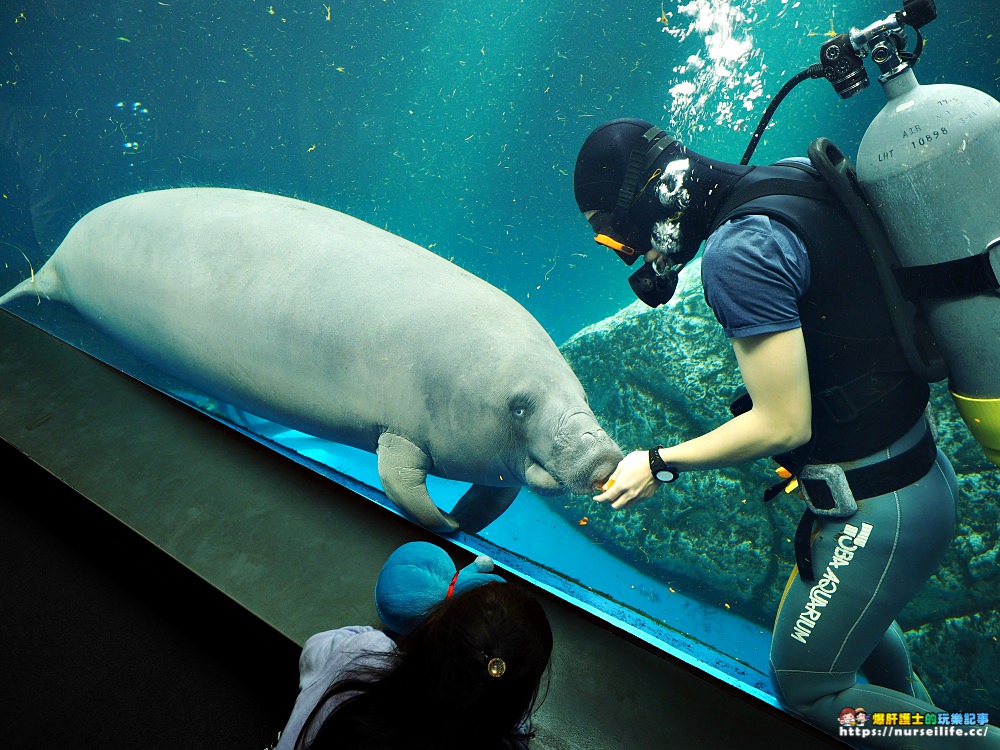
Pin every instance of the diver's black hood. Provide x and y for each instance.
(702, 186)
(707, 182)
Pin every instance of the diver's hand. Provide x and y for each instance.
(631, 481)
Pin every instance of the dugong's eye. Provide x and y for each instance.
(520, 407)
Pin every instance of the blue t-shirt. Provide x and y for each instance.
(754, 270)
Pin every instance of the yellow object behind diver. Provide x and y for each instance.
(982, 416)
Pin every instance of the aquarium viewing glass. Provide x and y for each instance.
(456, 125)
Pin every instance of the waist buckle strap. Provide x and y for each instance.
(831, 491)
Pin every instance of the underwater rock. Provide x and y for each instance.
(947, 656)
(668, 374)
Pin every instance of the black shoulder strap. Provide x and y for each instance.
(974, 274)
(774, 186)
(912, 332)
(836, 175)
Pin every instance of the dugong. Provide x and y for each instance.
(325, 324)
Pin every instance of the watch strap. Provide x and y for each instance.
(657, 466)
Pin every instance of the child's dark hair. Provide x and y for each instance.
(440, 690)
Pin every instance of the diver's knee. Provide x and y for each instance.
(809, 694)
(798, 701)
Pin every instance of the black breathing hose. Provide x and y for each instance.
(813, 71)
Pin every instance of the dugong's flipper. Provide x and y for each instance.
(402, 467)
(481, 505)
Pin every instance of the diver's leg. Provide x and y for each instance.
(890, 666)
(868, 567)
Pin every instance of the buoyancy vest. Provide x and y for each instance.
(864, 395)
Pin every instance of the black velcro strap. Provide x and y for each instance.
(885, 476)
(653, 154)
(843, 403)
(951, 278)
(776, 489)
(867, 481)
(741, 405)
(633, 171)
(803, 546)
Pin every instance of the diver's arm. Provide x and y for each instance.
(776, 376)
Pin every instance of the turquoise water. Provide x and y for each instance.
(456, 125)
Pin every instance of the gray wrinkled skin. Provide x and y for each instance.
(328, 325)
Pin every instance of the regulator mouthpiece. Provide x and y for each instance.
(654, 288)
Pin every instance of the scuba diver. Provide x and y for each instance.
(829, 395)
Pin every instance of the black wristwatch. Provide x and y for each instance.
(662, 471)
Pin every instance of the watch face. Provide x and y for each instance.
(662, 471)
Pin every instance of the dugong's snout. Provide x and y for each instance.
(604, 456)
(582, 458)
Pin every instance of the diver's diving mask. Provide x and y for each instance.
(608, 234)
(613, 230)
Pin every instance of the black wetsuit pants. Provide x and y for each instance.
(867, 567)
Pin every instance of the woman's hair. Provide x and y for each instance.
(440, 689)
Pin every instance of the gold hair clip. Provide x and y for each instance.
(496, 667)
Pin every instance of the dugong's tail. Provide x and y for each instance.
(45, 284)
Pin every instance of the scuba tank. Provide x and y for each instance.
(939, 254)
(930, 166)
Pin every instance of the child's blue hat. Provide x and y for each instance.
(417, 577)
